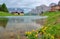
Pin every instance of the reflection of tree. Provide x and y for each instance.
(3, 22)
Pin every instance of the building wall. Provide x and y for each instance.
(18, 14)
(55, 8)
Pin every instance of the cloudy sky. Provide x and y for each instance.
(27, 3)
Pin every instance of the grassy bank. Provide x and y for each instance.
(9, 14)
(51, 29)
(5, 14)
(52, 24)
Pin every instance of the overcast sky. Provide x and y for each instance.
(27, 3)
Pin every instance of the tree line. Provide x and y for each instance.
(3, 8)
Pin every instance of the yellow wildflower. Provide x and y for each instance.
(37, 32)
(43, 31)
(52, 37)
(45, 28)
(28, 33)
(36, 35)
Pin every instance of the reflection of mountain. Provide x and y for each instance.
(3, 22)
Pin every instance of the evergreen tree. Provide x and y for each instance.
(0, 8)
(4, 8)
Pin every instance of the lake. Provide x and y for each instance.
(13, 25)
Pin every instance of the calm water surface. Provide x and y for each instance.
(17, 25)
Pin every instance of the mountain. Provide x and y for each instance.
(52, 4)
(15, 9)
(59, 3)
(39, 9)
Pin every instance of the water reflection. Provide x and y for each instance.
(17, 25)
(3, 22)
(16, 20)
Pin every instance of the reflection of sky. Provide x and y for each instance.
(23, 22)
(23, 19)
(27, 3)
(26, 23)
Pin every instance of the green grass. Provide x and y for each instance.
(52, 17)
(51, 13)
(51, 29)
(5, 14)
(53, 21)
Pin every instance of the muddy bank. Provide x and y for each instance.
(12, 35)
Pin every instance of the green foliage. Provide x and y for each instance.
(3, 8)
(53, 23)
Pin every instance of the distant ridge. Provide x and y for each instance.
(15, 9)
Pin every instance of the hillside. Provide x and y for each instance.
(53, 24)
(53, 17)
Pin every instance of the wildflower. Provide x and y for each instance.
(43, 31)
(52, 37)
(37, 32)
(28, 33)
(36, 35)
(45, 28)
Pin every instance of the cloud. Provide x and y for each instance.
(27, 3)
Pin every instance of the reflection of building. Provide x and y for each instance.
(55, 7)
(18, 13)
